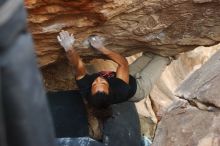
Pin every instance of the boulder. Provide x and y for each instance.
(186, 125)
(165, 27)
(203, 85)
(194, 119)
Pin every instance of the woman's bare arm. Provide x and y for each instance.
(66, 41)
(122, 69)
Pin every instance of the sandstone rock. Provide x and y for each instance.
(148, 127)
(165, 27)
(59, 77)
(162, 94)
(203, 84)
(186, 125)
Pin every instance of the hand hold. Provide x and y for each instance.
(96, 41)
(66, 40)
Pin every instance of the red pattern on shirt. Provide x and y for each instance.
(107, 74)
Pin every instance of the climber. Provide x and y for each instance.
(105, 88)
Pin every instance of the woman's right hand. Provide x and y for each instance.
(66, 40)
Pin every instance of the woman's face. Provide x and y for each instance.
(100, 85)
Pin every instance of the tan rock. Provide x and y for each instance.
(165, 27)
(186, 125)
(210, 140)
(203, 84)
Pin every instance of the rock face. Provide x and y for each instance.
(152, 108)
(186, 125)
(165, 27)
(194, 119)
(203, 85)
(163, 93)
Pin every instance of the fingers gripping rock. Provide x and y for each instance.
(96, 42)
(66, 40)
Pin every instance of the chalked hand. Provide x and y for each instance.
(66, 40)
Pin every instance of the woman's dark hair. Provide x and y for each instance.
(100, 99)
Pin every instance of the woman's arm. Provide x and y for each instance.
(122, 69)
(66, 41)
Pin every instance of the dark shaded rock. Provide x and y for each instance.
(70, 121)
(69, 114)
(123, 128)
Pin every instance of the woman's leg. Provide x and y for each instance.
(149, 74)
(140, 63)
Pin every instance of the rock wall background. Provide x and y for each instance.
(192, 118)
(165, 27)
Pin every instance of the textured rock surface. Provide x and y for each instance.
(194, 120)
(165, 27)
(203, 84)
(185, 125)
(162, 95)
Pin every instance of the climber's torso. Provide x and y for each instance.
(120, 90)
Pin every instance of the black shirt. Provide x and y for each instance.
(120, 90)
